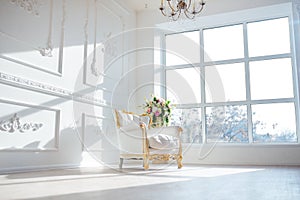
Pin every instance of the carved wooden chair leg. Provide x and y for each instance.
(146, 162)
(179, 161)
(121, 163)
(179, 156)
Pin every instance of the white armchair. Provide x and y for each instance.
(138, 141)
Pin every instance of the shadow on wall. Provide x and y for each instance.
(92, 139)
(20, 159)
(72, 144)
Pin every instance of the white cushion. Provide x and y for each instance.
(163, 141)
(127, 119)
(124, 118)
(131, 126)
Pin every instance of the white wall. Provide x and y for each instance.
(61, 93)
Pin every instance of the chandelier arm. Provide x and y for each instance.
(170, 5)
(200, 10)
(162, 12)
(178, 15)
(202, 6)
(194, 12)
(165, 13)
(188, 16)
(189, 5)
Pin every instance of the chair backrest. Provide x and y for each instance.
(130, 133)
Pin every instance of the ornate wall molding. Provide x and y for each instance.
(107, 49)
(46, 48)
(47, 51)
(39, 133)
(31, 6)
(94, 69)
(14, 124)
(51, 90)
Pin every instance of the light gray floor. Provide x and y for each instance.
(190, 182)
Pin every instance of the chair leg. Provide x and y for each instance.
(121, 163)
(146, 164)
(179, 161)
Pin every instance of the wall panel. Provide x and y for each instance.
(39, 44)
(28, 127)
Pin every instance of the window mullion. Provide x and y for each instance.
(163, 68)
(295, 43)
(247, 79)
(202, 80)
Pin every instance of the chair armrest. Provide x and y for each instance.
(168, 130)
(130, 127)
(133, 140)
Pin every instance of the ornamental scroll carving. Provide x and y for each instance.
(31, 6)
(109, 51)
(108, 48)
(14, 124)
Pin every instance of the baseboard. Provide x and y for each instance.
(36, 168)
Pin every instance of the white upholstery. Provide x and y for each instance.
(128, 119)
(163, 141)
(136, 141)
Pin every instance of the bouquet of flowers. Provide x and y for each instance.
(159, 110)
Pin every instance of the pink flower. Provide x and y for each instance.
(157, 113)
(149, 110)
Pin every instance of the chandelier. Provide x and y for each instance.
(174, 8)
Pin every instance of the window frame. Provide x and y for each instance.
(248, 16)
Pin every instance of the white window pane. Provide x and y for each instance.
(182, 48)
(183, 85)
(268, 37)
(270, 79)
(190, 121)
(225, 83)
(274, 123)
(223, 43)
(226, 124)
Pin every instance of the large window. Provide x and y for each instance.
(234, 84)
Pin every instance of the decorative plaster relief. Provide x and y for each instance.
(47, 51)
(31, 6)
(26, 127)
(101, 48)
(51, 90)
(14, 124)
